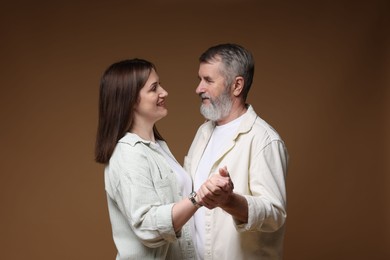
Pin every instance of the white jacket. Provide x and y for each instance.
(256, 159)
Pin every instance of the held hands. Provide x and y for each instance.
(216, 191)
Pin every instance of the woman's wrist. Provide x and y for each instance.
(192, 198)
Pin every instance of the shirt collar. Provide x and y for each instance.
(132, 139)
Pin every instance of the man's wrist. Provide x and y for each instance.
(238, 207)
(230, 201)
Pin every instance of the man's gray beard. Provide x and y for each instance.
(218, 107)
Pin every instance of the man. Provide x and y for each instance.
(249, 222)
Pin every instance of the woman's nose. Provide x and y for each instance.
(163, 92)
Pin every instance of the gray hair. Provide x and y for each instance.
(236, 60)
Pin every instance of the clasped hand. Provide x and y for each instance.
(216, 191)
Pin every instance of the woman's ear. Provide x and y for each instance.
(238, 86)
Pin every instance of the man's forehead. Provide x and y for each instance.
(210, 65)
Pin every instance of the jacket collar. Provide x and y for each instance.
(247, 122)
(246, 125)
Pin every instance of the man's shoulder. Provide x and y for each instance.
(262, 128)
(259, 128)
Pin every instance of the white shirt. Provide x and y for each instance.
(219, 138)
(183, 178)
(184, 182)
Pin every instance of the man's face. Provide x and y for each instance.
(216, 97)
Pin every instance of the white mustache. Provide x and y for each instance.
(204, 95)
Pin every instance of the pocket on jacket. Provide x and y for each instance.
(161, 183)
(164, 190)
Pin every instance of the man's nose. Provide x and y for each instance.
(200, 88)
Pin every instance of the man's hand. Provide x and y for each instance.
(224, 173)
(215, 192)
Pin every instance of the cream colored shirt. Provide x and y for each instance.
(141, 191)
(256, 159)
(219, 140)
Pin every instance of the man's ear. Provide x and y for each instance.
(238, 86)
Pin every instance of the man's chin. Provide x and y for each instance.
(208, 115)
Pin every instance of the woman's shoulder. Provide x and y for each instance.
(130, 139)
(128, 153)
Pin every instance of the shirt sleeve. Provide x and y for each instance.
(138, 196)
(267, 202)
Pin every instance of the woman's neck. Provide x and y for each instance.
(145, 133)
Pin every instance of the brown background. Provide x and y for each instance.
(322, 80)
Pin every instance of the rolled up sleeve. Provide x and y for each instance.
(267, 202)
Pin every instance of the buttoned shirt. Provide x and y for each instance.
(141, 191)
(256, 158)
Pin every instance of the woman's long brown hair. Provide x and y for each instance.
(119, 90)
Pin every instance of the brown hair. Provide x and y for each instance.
(119, 92)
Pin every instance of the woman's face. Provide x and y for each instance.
(151, 105)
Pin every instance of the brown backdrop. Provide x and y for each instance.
(322, 80)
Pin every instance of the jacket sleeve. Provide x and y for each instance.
(267, 201)
(139, 197)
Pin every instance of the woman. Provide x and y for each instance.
(147, 189)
